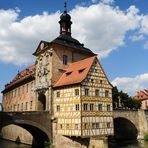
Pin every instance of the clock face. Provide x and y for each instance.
(42, 46)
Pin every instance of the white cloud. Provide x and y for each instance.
(135, 38)
(103, 28)
(145, 45)
(100, 27)
(131, 84)
(19, 39)
(144, 24)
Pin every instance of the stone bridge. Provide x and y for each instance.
(37, 123)
(130, 124)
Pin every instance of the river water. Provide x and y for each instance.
(112, 144)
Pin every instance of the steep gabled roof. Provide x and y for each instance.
(76, 72)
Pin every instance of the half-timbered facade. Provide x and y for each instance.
(83, 100)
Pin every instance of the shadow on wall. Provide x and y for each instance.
(124, 129)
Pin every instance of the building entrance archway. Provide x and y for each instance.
(41, 102)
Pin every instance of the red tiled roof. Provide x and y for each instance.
(76, 72)
(22, 75)
(141, 95)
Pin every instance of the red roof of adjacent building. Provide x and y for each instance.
(22, 75)
(76, 72)
(141, 95)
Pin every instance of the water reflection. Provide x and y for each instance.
(112, 144)
(9, 144)
(128, 144)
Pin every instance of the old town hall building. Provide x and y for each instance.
(67, 80)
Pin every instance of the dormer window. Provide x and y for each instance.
(81, 70)
(68, 73)
(65, 59)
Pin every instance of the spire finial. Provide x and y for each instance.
(65, 6)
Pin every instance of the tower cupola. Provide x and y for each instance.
(65, 22)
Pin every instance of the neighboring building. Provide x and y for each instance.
(18, 94)
(68, 81)
(142, 95)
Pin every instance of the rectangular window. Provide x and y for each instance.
(96, 92)
(106, 93)
(85, 125)
(27, 88)
(58, 108)
(77, 92)
(108, 107)
(22, 107)
(58, 94)
(92, 80)
(30, 104)
(15, 93)
(67, 126)
(86, 92)
(61, 126)
(18, 107)
(14, 107)
(76, 126)
(65, 59)
(99, 107)
(101, 82)
(77, 107)
(26, 105)
(85, 106)
(108, 125)
(91, 107)
(93, 125)
(97, 125)
(18, 91)
(22, 89)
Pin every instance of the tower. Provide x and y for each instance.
(65, 22)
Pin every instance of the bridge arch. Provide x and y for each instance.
(38, 132)
(125, 129)
(1, 107)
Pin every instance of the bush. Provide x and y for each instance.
(47, 144)
(146, 136)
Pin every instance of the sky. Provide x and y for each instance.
(117, 30)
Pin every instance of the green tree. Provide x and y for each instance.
(123, 100)
(115, 95)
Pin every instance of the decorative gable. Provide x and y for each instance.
(42, 46)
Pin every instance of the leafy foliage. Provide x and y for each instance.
(123, 100)
(146, 136)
